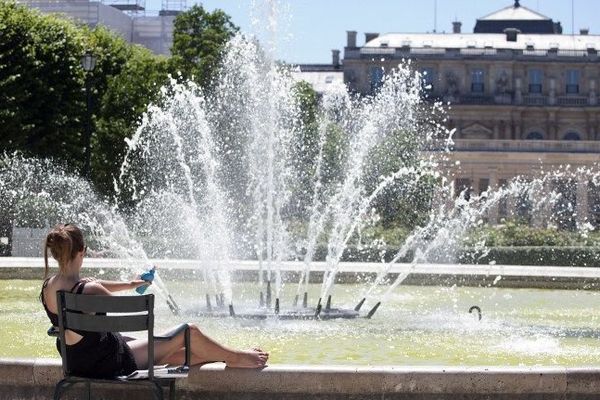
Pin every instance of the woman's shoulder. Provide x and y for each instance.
(94, 287)
(48, 281)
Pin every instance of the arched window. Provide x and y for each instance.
(572, 136)
(535, 136)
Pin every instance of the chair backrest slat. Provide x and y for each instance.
(104, 304)
(105, 323)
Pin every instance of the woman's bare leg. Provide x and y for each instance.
(203, 349)
(178, 358)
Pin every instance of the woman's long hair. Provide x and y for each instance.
(64, 242)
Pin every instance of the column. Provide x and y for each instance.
(507, 130)
(593, 99)
(517, 130)
(518, 93)
(551, 125)
(496, 130)
(552, 92)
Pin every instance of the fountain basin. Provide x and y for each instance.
(416, 325)
(35, 378)
(516, 276)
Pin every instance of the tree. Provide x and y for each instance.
(132, 78)
(42, 96)
(198, 39)
(41, 81)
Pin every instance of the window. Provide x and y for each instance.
(534, 136)
(427, 79)
(572, 81)
(572, 136)
(535, 81)
(376, 77)
(477, 85)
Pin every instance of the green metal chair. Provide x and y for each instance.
(114, 314)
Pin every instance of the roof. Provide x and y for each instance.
(483, 41)
(518, 17)
(514, 13)
(321, 81)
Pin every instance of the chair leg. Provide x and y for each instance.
(157, 391)
(60, 388)
(172, 390)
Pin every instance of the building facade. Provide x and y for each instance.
(127, 18)
(523, 96)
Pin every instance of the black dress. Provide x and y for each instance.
(97, 354)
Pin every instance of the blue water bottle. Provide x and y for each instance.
(147, 276)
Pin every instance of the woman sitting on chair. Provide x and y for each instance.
(107, 354)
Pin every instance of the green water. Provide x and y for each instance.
(415, 326)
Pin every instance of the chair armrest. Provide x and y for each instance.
(170, 335)
(52, 331)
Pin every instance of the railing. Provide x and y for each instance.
(534, 146)
(476, 99)
(377, 50)
(485, 52)
(535, 100)
(573, 101)
(478, 52)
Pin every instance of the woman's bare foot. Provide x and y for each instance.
(255, 358)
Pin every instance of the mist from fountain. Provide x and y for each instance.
(541, 199)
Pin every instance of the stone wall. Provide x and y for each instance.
(35, 379)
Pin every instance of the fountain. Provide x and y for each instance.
(239, 173)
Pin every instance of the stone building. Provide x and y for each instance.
(127, 18)
(321, 76)
(523, 95)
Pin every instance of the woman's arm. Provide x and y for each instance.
(115, 286)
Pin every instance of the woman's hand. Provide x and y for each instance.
(139, 282)
(88, 279)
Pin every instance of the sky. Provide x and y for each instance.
(307, 30)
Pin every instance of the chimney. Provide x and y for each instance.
(456, 26)
(558, 28)
(584, 31)
(370, 36)
(351, 38)
(511, 34)
(335, 58)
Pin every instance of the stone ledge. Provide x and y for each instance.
(506, 276)
(35, 378)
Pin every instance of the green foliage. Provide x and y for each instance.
(129, 90)
(305, 147)
(517, 233)
(41, 97)
(516, 243)
(535, 255)
(42, 90)
(198, 40)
